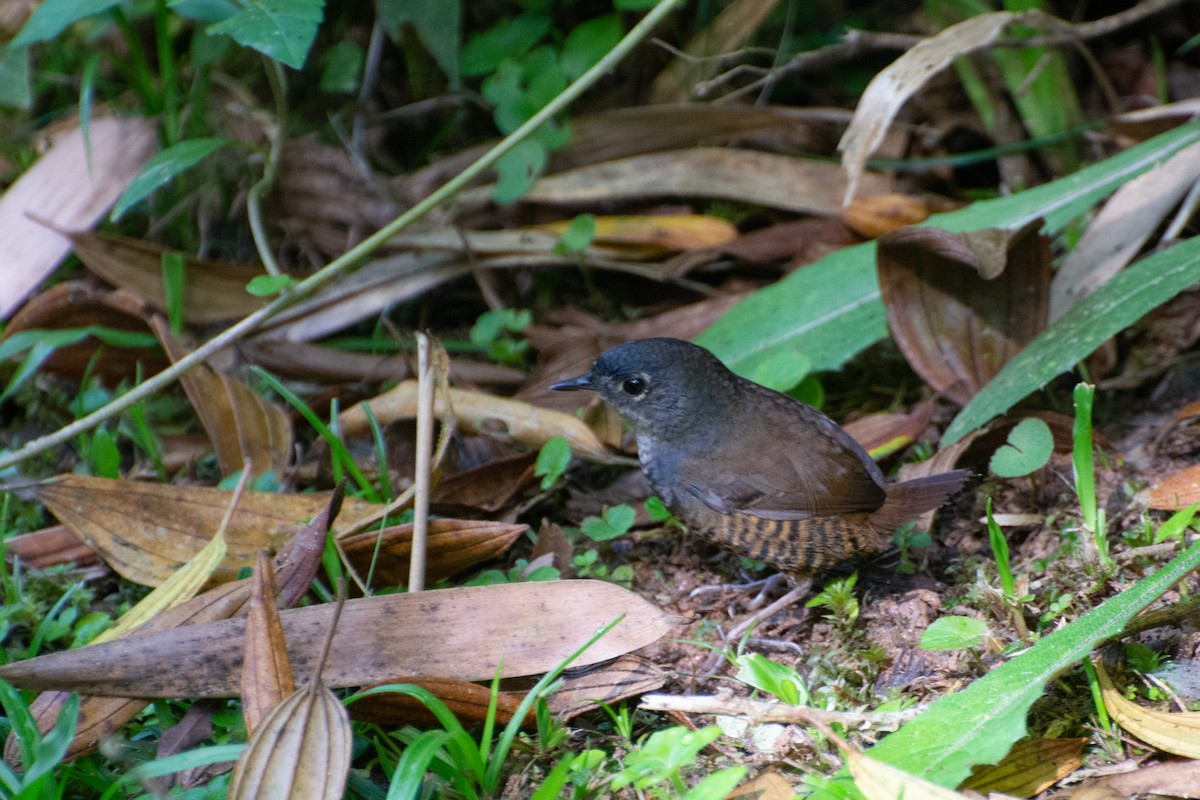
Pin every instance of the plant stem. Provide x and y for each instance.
(355, 255)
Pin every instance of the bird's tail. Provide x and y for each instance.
(909, 500)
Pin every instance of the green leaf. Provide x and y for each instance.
(614, 522)
(267, 285)
(769, 676)
(283, 30)
(517, 170)
(54, 16)
(1029, 446)
(831, 310)
(718, 785)
(578, 235)
(953, 633)
(342, 65)
(173, 286)
(162, 168)
(409, 775)
(552, 461)
(204, 10)
(510, 38)
(588, 43)
(1116, 305)
(15, 88)
(782, 371)
(1174, 527)
(438, 24)
(979, 724)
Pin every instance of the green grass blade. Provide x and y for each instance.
(979, 724)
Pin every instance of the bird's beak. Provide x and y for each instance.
(582, 382)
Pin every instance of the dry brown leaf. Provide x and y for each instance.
(1175, 492)
(764, 179)
(241, 424)
(1177, 733)
(892, 87)
(300, 751)
(486, 414)
(582, 691)
(146, 531)
(102, 716)
(453, 546)
(654, 234)
(794, 244)
(214, 291)
(1031, 766)
(885, 433)
(1170, 779)
(700, 59)
(486, 489)
(956, 326)
(469, 702)
(266, 671)
(874, 215)
(48, 547)
(470, 633)
(1121, 228)
(72, 186)
(76, 304)
(767, 786)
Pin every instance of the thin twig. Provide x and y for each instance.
(420, 532)
(760, 711)
(354, 256)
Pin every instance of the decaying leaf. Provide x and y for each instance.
(961, 305)
(102, 716)
(476, 412)
(266, 671)
(1175, 492)
(453, 546)
(885, 433)
(468, 633)
(301, 750)
(1177, 733)
(767, 786)
(147, 531)
(469, 702)
(48, 547)
(243, 425)
(654, 234)
(214, 291)
(72, 185)
(874, 215)
(1032, 766)
(584, 689)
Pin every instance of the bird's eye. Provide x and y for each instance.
(634, 386)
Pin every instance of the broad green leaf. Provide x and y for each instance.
(979, 724)
(1029, 447)
(614, 522)
(342, 65)
(953, 633)
(204, 10)
(1128, 296)
(831, 310)
(517, 170)
(578, 236)
(588, 43)
(782, 370)
(55, 16)
(162, 168)
(510, 38)
(283, 30)
(552, 461)
(267, 285)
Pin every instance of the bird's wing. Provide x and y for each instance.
(797, 463)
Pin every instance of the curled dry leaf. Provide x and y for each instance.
(242, 425)
(960, 306)
(885, 433)
(469, 702)
(471, 633)
(72, 185)
(77, 304)
(266, 671)
(476, 412)
(453, 545)
(102, 716)
(49, 547)
(1032, 766)
(301, 750)
(147, 531)
(1177, 733)
(214, 291)
(874, 215)
(764, 179)
(584, 690)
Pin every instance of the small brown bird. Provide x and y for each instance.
(750, 468)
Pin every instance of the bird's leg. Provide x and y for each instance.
(800, 589)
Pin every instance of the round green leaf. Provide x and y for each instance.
(1029, 447)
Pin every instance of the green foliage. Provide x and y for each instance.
(662, 758)
(1029, 447)
(1173, 529)
(517, 573)
(658, 511)
(783, 370)
(1085, 475)
(267, 285)
(41, 344)
(552, 461)
(1008, 584)
(39, 755)
(613, 522)
(772, 677)
(162, 168)
(980, 723)
(907, 537)
(282, 30)
(954, 633)
(578, 236)
(839, 600)
(494, 332)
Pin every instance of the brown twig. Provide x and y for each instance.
(761, 711)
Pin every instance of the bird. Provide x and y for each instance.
(752, 469)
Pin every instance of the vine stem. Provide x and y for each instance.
(352, 257)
